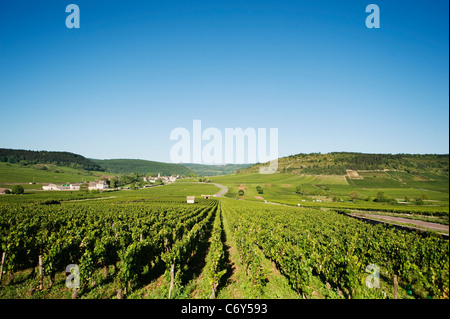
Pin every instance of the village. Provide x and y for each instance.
(163, 179)
(103, 184)
(98, 185)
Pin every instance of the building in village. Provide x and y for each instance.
(190, 199)
(100, 185)
(164, 179)
(4, 191)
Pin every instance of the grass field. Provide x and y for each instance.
(155, 282)
(176, 192)
(334, 190)
(15, 173)
(324, 195)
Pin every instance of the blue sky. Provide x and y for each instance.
(135, 70)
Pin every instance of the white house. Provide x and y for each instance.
(172, 179)
(190, 199)
(74, 186)
(97, 185)
(4, 190)
(50, 187)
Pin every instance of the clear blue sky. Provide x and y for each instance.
(135, 70)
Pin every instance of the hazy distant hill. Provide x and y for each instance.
(128, 166)
(214, 170)
(26, 157)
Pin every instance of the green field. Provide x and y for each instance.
(334, 190)
(176, 191)
(126, 243)
(16, 173)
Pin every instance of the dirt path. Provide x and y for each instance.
(223, 190)
(417, 223)
(88, 199)
(399, 221)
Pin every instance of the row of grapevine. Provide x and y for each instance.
(337, 249)
(177, 258)
(95, 235)
(248, 252)
(217, 255)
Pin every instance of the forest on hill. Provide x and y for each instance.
(67, 159)
(128, 166)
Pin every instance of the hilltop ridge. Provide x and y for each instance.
(337, 163)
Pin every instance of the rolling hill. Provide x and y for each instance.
(128, 166)
(214, 170)
(67, 159)
(11, 173)
(338, 163)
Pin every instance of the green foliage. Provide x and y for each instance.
(217, 267)
(50, 202)
(336, 163)
(241, 192)
(131, 236)
(43, 157)
(259, 189)
(299, 190)
(143, 167)
(84, 188)
(354, 195)
(113, 182)
(214, 170)
(381, 197)
(308, 243)
(419, 201)
(324, 170)
(17, 190)
(187, 236)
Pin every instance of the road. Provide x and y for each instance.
(388, 219)
(417, 223)
(223, 190)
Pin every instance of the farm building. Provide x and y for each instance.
(97, 185)
(64, 187)
(190, 199)
(164, 179)
(5, 191)
(206, 196)
(50, 187)
(74, 186)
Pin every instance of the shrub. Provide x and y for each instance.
(17, 189)
(50, 202)
(381, 197)
(299, 190)
(354, 195)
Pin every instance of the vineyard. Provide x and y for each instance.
(315, 249)
(127, 238)
(160, 248)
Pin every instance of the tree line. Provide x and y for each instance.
(67, 159)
